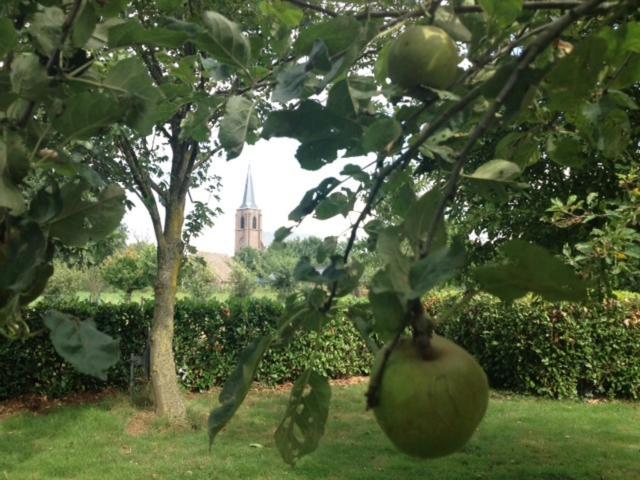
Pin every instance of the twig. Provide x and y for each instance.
(467, 9)
(316, 8)
(373, 392)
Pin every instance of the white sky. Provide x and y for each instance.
(279, 183)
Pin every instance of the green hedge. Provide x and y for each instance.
(208, 337)
(553, 350)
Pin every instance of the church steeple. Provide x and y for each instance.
(248, 201)
(248, 219)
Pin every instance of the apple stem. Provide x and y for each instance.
(373, 393)
(422, 327)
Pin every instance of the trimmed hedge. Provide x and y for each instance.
(554, 350)
(208, 337)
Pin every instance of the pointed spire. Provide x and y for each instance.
(248, 201)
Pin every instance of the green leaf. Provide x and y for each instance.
(282, 233)
(504, 12)
(81, 344)
(303, 425)
(605, 126)
(420, 216)
(380, 134)
(237, 385)
(29, 77)
(575, 76)
(287, 14)
(530, 268)
(335, 204)
(338, 34)
(46, 29)
(239, 119)
(320, 130)
(340, 101)
(195, 125)
(84, 25)
(496, 170)
(381, 67)
(395, 276)
(632, 39)
(312, 197)
(566, 150)
(132, 76)
(82, 219)
(492, 178)
(437, 267)
(87, 114)
(169, 6)
(519, 148)
(356, 172)
(8, 36)
(224, 40)
(290, 83)
(319, 60)
(450, 23)
(132, 32)
(388, 313)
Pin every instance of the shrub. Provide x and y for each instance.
(64, 284)
(197, 279)
(208, 338)
(556, 350)
(243, 281)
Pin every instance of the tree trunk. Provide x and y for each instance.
(127, 296)
(168, 399)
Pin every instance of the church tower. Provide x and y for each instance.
(248, 220)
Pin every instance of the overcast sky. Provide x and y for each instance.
(279, 184)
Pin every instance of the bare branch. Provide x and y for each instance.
(142, 181)
(316, 8)
(152, 64)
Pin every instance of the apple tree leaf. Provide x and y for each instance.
(239, 119)
(530, 268)
(237, 385)
(303, 425)
(81, 344)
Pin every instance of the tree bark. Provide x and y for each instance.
(168, 398)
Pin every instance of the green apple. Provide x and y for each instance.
(430, 408)
(423, 55)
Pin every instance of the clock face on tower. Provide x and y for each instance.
(248, 220)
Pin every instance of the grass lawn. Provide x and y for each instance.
(521, 438)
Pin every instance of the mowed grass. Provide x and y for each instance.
(521, 438)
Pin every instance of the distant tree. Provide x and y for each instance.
(196, 278)
(131, 269)
(243, 281)
(65, 282)
(252, 259)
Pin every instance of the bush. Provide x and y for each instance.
(208, 338)
(64, 284)
(197, 279)
(243, 281)
(555, 350)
